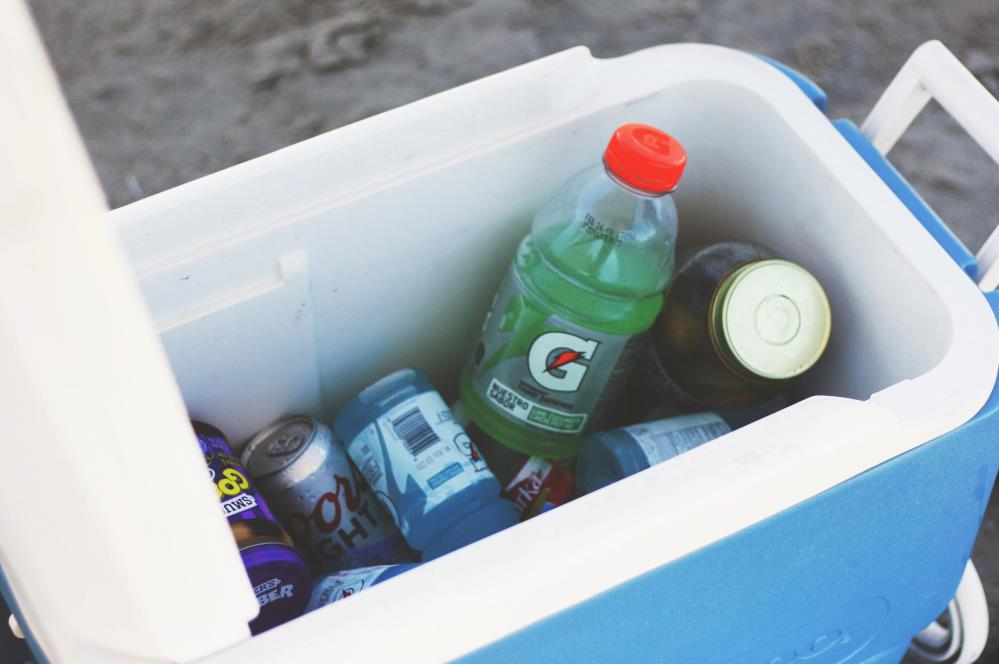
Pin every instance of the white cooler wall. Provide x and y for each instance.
(402, 233)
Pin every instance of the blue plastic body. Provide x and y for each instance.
(920, 210)
(847, 576)
(474, 510)
(807, 86)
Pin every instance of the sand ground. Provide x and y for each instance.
(166, 91)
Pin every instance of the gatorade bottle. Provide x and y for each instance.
(568, 322)
(422, 465)
(609, 456)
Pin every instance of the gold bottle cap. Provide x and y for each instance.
(772, 318)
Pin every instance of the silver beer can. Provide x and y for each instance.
(322, 501)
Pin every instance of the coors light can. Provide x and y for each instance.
(321, 499)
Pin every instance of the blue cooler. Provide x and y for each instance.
(831, 531)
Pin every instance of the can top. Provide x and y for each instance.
(772, 318)
(646, 158)
(279, 445)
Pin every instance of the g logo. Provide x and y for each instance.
(554, 360)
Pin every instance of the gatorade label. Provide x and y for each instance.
(417, 448)
(545, 372)
(344, 584)
(666, 439)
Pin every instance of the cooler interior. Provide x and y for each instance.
(312, 274)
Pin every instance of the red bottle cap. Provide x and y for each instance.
(645, 158)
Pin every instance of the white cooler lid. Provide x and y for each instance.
(110, 532)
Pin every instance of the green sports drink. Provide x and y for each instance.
(570, 319)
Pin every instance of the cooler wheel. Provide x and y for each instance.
(958, 636)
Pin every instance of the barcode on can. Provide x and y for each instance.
(414, 431)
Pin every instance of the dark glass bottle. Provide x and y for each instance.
(737, 325)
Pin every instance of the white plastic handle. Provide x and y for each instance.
(933, 72)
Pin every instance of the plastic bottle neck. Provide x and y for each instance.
(632, 190)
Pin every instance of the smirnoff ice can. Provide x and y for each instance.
(533, 484)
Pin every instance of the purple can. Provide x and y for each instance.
(281, 582)
(280, 578)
